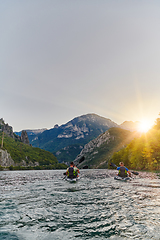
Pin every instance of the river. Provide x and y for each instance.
(40, 205)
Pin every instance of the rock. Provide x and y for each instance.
(22, 163)
(36, 164)
(24, 137)
(94, 144)
(8, 130)
(5, 159)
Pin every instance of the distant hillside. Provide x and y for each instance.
(66, 141)
(14, 152)
(31, 133)
(131, 126)
(99, 151)
(143, 152)
(21, 155)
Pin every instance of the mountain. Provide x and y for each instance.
(8, 130)
(99, 151)
(17, 153)
(131, 126)
(66, 141)
(142, 153)
(31, 133)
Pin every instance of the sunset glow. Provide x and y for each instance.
(144, 126)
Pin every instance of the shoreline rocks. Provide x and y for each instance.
(7, 161)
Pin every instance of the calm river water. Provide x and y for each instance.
(40, 205)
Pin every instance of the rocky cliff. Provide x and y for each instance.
(8, 130)
(16, 152)
(32, 133)
(7, 161)
(67, 140)
(97, 152)
(94, 144)
(24, 138)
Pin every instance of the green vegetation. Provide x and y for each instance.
(1, 168)
(100, 156)
(68, 153)
(142, 153)
(49, 140)
(44, 167)
(20, 151)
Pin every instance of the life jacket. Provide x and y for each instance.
(72, 172)
(122, 172)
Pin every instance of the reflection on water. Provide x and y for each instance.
(41, 205)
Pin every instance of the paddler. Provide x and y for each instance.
(72, 171)
(123, 171)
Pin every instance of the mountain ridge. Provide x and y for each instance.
(74, 135)
(99, 151)
(67, 140)
(17, 153)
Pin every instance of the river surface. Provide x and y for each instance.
(40, 205)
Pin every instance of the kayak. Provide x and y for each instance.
(122, 178)
(72, 180)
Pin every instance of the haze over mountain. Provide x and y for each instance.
(84, 136)
(32, 133)
(98, 152)
(67, 141)
(130, 125)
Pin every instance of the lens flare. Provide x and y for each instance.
(144, 126)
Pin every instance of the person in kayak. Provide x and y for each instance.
(72, 171)
(123, 171)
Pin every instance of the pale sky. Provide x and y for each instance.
(60, 59)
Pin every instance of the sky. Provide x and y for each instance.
(60, 59)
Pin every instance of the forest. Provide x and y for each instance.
(142, 153)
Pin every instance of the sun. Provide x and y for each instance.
(144, 126)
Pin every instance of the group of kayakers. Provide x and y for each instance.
(73, 171)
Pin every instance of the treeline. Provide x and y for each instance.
(142, 153)
(45, 167)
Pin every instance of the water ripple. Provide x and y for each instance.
(39, 205)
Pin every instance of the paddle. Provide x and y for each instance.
(81, 159)
(64, 175)
(113, 165)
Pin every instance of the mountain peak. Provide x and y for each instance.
(73, 135)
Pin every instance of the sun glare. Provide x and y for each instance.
(144, 126)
